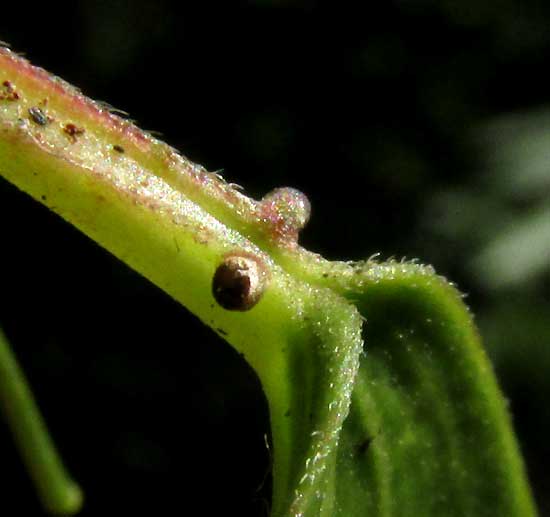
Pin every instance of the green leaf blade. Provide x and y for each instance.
(428, 432)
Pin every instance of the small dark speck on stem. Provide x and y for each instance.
(73, 131)
(38, 116)
(118, 148)
(9, 93)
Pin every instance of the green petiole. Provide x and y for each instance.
(59, 494)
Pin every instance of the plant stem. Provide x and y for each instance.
(58, 493)
(428, 432)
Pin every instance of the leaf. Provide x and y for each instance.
(428, 433)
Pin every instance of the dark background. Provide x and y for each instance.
(416, 128)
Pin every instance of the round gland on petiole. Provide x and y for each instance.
(239, 281)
